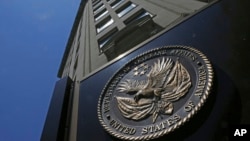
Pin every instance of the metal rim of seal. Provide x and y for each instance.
(201, 102)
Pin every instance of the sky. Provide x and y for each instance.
(33, 36)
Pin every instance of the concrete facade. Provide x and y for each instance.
(83, 53)
(103, 29)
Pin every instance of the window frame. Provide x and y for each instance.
(105, 23)
(116, 3)
(101, 14)
(105, 38)
(125, 9)
(98, 8)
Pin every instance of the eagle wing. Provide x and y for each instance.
(177, 83)
(173, 81)
(130, 85)
(159, 73)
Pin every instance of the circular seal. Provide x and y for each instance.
(155, 93)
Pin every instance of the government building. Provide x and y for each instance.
(107, 34)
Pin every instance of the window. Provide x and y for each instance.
(101, 14)
(125, 9)
(104, 24)
(130, 36)
(138, 15)
(97, 8)
(143, 14)
(116, 3)
(96, 2)
(102, 41)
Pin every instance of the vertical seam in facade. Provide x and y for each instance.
(88, 28)
(84, 44)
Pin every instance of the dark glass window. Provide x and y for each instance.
(125, 9)
(102, 41)
(116, 3)
(101, 14)
(138, 15)
(96, 2)
(104, 24)
(97, 8)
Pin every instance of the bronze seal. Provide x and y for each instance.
(155, 93)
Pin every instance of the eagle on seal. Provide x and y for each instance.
(166, 82)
